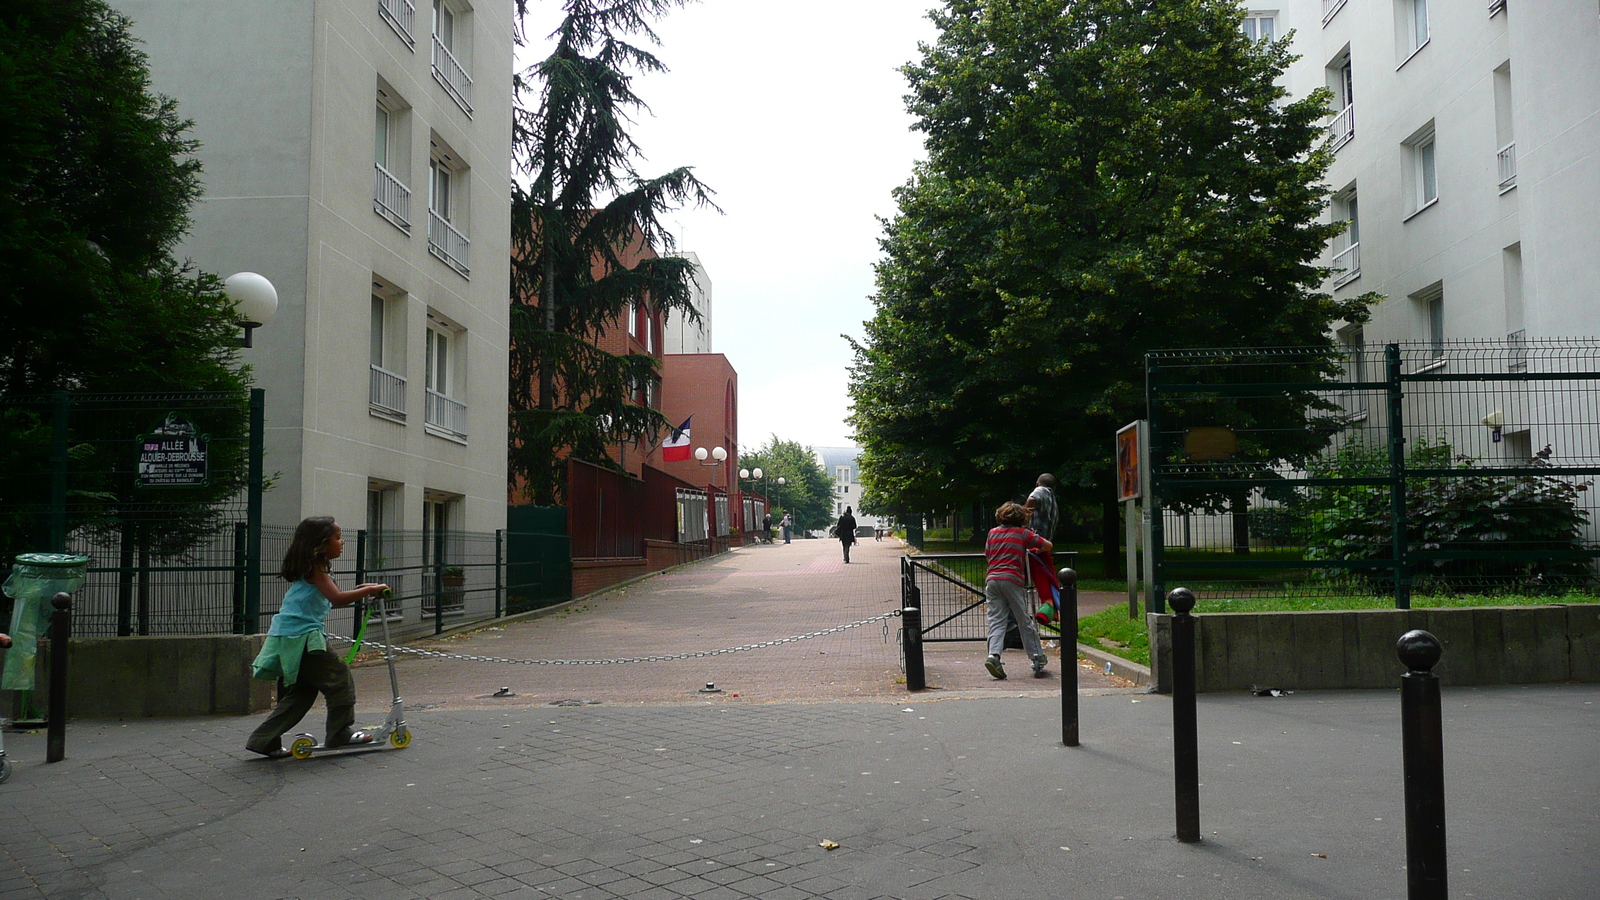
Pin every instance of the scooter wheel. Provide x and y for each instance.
(5, 769)
(301, 748)
(400, 737)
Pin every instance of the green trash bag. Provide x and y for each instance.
(35, 578)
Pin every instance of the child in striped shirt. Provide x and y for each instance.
(1005, 588)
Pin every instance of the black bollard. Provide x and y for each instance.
(911, 640)
(1069, 656)
(1185, 725)
(60, 633)
(1422, 744)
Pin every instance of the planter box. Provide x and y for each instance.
(1355, 649)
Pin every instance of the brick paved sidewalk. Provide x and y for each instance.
(752, 594)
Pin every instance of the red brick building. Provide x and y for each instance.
(705, 386)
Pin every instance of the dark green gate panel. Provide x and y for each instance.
(538, 557)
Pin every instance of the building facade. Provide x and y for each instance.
(843, 465)
(357, 154)
(1467, 161)
(682, 335)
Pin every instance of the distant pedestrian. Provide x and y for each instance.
(766, 527)
(877, 532)
(787, 524)
(1042, 509)
(296, 650)
(1005, 587)
(845, 531)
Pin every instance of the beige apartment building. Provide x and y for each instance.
(357, 154)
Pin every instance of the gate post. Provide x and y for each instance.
(1397, 476)
(252, 571)
(911, 636)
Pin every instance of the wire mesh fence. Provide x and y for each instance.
(1442, 469)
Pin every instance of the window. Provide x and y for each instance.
(1258, 26)
(1505, 139)
(383, 543)
(842, 474)
(444, 577)
(1430, 300)
(1511, 273)
(649, 331)
(447, 206)
(391, 198)
(1421, 176)
(1346, 263)
(452, 52)
(1411, 21)
(632, 316)
(1340, 82)
(386, 395)
(445, 414)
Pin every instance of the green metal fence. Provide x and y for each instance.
(1440, 468)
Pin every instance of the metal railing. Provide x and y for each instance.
(443, 412)
(1346, 264)
(445, 242)
(1506, 160)
(400, 15)
(1330, 8)
(390, 198)
(1343, 126)
(451, 75)
(388, 392)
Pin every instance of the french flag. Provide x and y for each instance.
(676, 448)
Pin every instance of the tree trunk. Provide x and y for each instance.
(1239, 506)
(1110, 536)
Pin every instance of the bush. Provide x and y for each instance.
(1487, 512)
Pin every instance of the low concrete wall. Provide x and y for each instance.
(1330, 650)
(136, 677)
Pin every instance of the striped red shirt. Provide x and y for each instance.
(1005, 552)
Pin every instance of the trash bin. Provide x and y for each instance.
(35, 578)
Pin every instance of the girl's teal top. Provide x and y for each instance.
(296, 630)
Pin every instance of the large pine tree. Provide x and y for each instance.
(1104, 177)
(583, 205)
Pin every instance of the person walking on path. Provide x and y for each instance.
(1042, 509)
(845, 531)
(787, 524)
(1005, 587)
(296, 650)
(766, 527)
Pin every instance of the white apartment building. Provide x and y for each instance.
(681, 335)
(1467, 140)
(357, 154)
(843, 465)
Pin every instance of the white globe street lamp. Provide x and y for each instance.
(254, 299)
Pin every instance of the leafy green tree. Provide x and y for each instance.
(582, 208)
(96, 189)
(808, 493)
(1104, 177)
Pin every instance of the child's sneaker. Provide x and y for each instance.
(995, 668)
(1039, 662)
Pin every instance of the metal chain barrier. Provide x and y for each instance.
(440, 654)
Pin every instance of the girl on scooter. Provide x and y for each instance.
(296, 650)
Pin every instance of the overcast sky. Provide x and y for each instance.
(794, 114)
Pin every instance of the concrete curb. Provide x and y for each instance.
(1139, 675)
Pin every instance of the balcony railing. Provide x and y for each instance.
(400, 15)
(449, 73)
(1346, 264)
(388, 392)
(1330, 8)
(391, 199)
(1496, 6)
(1343, 127)
(446, 414)
(1506, 159)
(445, 242)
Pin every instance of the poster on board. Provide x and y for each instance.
(1130, 460)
